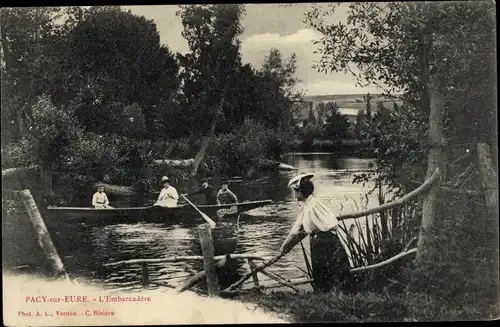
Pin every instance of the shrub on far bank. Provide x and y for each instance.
(247, 148)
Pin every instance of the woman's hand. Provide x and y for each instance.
(291, 241)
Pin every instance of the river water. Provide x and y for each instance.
(85, 249)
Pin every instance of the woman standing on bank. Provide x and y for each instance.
(330, 264)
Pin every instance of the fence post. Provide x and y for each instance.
(43, 235)
(207, 248)
(145, 275)
(254, 275)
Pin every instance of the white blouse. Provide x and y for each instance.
(168, 197)
(315, 216)
(100, 199)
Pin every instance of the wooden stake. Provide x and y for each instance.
(279, 279)
(207, 247)
(145, 275)
(190, 282)
(254, 276)
(43, 235)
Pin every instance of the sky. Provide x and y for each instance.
(266, 26)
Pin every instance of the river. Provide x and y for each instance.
(85, 249)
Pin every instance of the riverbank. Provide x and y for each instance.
(25, 295)
(350, 147)
(363, 307)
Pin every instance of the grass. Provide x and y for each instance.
(363, 307)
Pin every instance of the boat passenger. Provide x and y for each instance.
(225, 196)
(168, 196)
(100, 199)
(329, 260)
(207, 190)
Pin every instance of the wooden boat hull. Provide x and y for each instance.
(152, 214)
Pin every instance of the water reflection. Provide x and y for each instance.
(260, 231)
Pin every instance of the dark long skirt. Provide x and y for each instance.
(329, 261)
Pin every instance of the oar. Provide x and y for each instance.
(207, 219)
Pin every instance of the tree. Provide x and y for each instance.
(312, 117)
(322, 113)
(115, 59)
(26, 35)
(277, 89)
(210, 69)
(360, 125)
(283, 71)
(336, 124)
(368, 112)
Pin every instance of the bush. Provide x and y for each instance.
(461, 266)
(248, 147)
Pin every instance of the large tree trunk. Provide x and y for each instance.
(436, 156)
(47, 185)
(206, 140)
(436, 160)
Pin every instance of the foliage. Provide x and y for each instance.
(26, 37)
(322, 111)
(336, 124)
(50, 132)
(98, 60)
(210, 68)
(276, 87)
(376, 238)
(463, 264)
(312, 132)
(246, 148)
(283, 72)
(360, 124)
(116, 60)
(385, 40)
(262, 94)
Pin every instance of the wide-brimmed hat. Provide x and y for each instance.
(97, 185)
(295, 182)
(165, 179)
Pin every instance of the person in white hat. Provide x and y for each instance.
(329, 261)
(168, 196)
(100, 199)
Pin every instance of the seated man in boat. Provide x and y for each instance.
(207, 190)
(168, 196)
(100, 199)
(225, 196)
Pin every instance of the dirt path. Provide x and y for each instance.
(21, 293)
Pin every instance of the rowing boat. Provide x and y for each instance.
(152, 213)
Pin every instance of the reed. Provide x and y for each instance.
(377, 237)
